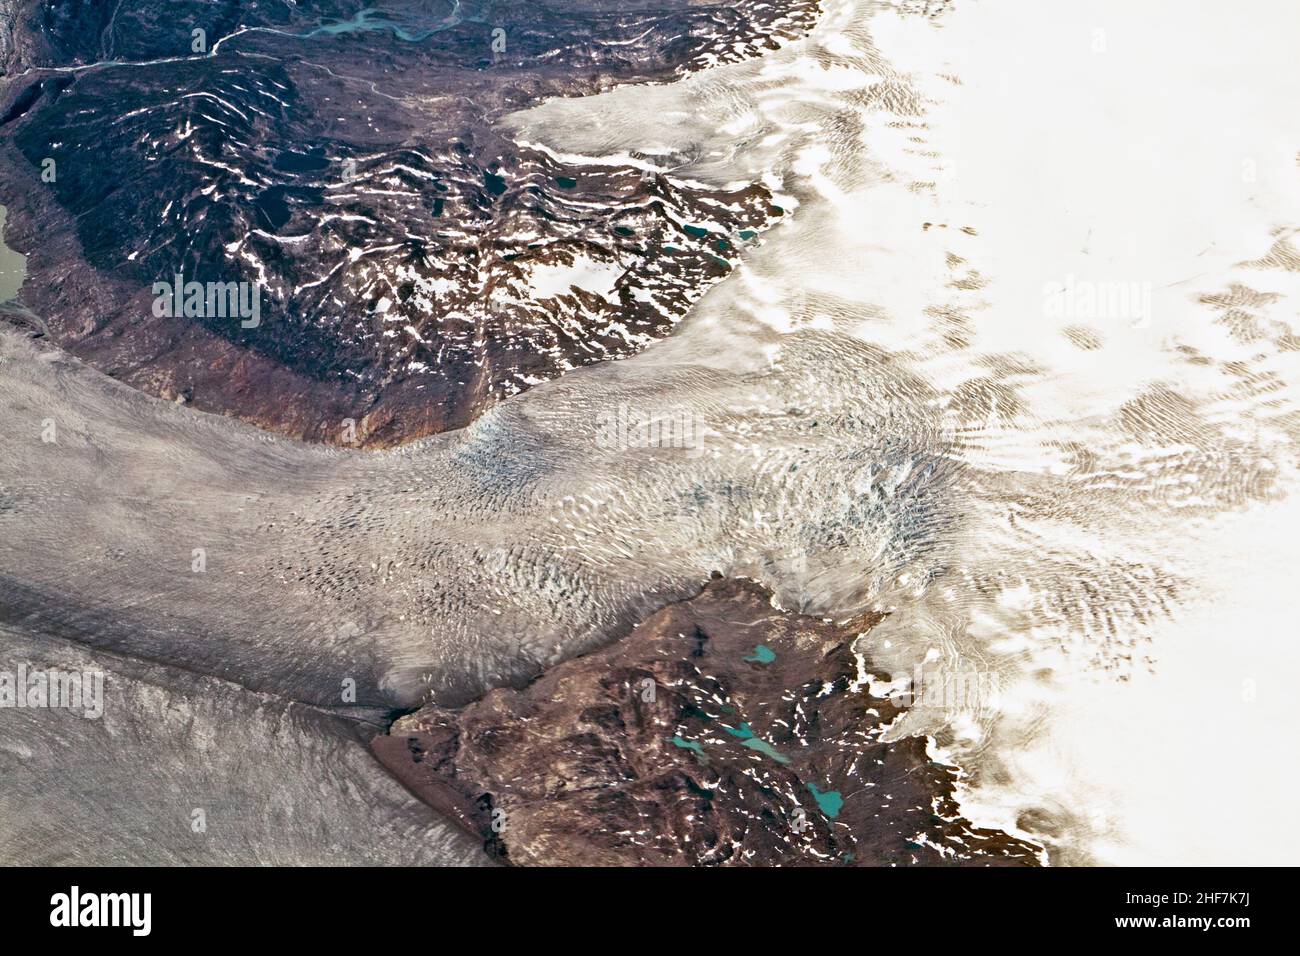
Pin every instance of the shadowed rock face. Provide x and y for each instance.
(722, 731)
(413, 264)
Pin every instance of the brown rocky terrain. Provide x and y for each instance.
(720, 731)
(346, 167)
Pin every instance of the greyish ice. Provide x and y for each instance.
(845, 433)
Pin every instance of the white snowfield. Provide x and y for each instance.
(1020, 369)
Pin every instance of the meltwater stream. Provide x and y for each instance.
(1018, 368)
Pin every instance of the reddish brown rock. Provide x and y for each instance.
(402, 252)
(721, 731)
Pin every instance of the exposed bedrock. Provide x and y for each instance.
(721, 731)
(411, 264)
